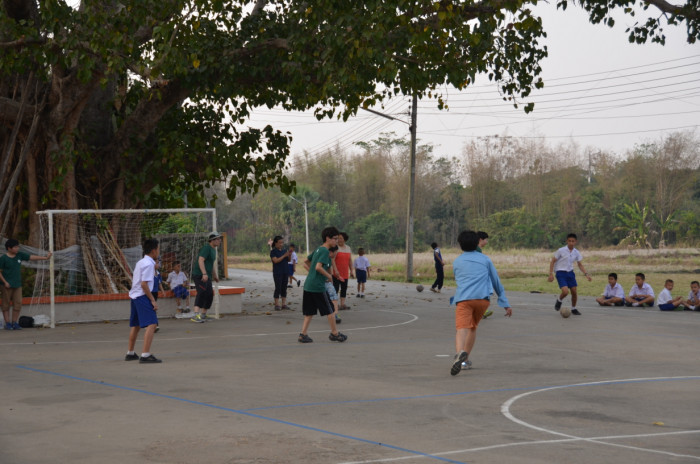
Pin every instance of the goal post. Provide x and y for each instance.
(95, 250)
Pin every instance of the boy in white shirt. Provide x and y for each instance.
(178, 283)
(666, 300)
(614, 295)
(563, 264)
(693, 301)
(362, 269)
(293, 260)
(641, 292)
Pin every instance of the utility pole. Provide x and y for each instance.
(411, 192)
(306, 221)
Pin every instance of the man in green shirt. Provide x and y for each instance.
(202, 274)
(316, 299)
(11, 280)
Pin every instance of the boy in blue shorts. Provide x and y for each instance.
(563, 264)
(143, 304)
(641, 292)
(362, 269)
(666, 301)
(316, 300)
(614, 294)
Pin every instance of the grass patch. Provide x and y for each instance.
(527, 270)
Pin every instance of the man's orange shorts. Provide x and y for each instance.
(469, 313)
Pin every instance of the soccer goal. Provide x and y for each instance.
(95, 251)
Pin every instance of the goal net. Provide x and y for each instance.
(95, 251)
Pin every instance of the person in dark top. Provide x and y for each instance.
(280, 271)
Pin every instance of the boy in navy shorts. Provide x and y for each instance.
(563, 264)
(316, 300)
(143, 304)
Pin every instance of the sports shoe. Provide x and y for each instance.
(15, 326)
(457, 364)
(488, 313)
(298, 283)
(337, 338)
(467, 364)
(197, 318)
(362, 296)
(575, 312)
(285, 307)
(8, 326)
(149, 360)
(433, 289)
(131, 357)
(183, 316)
(157, 329)
(557, 305)
(278, 308)
(303, 338)
(359, 296)
(338, 320)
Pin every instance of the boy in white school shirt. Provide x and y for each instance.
(614, 294)
(563, 264)
(641, 292)
(666, 300)
(693, 301)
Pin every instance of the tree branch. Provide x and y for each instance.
(666, 7)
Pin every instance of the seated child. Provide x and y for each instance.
(666, 300)
(693, 301)
(178, 283)
(614, 295)
(641, 292)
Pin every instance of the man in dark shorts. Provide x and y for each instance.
(316, 300)
(202, 274)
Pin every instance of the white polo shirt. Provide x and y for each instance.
(645, 290)
(176, 279)
(566, 258)
(665, 296)
(143, 272)
(614, 292)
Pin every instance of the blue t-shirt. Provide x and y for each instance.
(282, 267)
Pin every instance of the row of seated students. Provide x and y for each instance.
(641, 294)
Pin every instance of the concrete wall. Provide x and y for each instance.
(117, 307)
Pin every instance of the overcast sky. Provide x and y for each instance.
(600, 90)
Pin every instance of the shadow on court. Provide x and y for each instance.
(613, 385)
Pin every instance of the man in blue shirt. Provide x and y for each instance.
(476, 278)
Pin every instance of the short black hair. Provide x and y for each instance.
(668, 281)
(333, 249)
(639, 274)
(572, 235)
(468, 240)
(291, 245)
(11, 243)
(345, 236)
(360, 251)
(149, 245)
(695, 282)
(329, 232)
(482, 235)
(433, 245)
(613, 275)
(277, 239)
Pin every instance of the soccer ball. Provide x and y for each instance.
(419, 288)
(565, 312)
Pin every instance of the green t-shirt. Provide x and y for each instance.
(316, 282)
(207, 252)
(11, 268)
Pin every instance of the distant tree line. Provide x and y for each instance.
(524, 193)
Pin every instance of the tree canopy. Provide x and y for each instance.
(132, 103)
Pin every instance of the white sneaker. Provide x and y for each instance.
(635, 304)
(182, 316)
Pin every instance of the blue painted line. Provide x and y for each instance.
(242, 412)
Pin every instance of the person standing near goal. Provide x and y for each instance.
(11, 281)
(143, 304)
(202, 274)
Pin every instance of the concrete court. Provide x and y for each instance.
(613, 385)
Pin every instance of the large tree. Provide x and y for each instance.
(117, 102)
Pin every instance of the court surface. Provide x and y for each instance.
(613, 385)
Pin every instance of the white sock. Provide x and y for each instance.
(558, 300)
(635, 304)
(129, 352)
(145, 355)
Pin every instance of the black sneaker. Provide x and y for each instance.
(149, 360)
(337, 338)
(305, 339)
(298, 283)
(575, 312)
(557, 305)
(131, 357)
(457, 364)
(338, 320)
